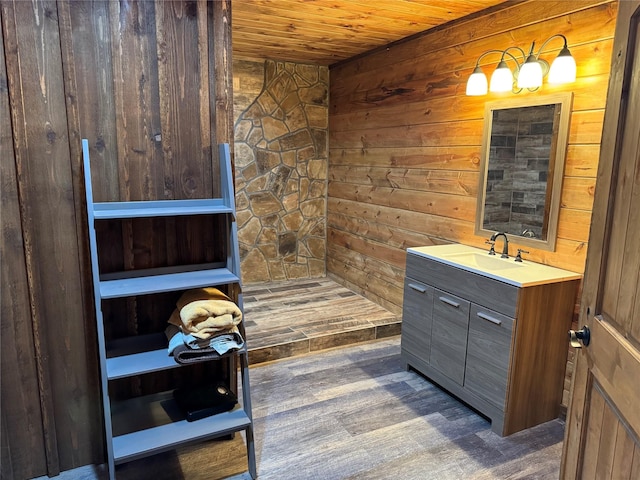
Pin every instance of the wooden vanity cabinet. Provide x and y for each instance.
(500, 348)
(488, 354)
(449, 335)
(417, 315)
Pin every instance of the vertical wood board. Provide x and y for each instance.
(21, 456)
(45, 184)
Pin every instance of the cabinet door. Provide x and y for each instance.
(488, 355)
(449, 334)
(416, 318)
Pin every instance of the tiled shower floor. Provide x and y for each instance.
(284, 319)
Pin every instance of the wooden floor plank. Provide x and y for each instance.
(355, 413)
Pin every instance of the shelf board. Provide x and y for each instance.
(163, 280)
(168, 429)
(159, 208)
(144, 354)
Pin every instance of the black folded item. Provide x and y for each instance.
(185, 355)
(204, 401)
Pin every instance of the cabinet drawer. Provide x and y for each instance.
(416, 318)
(493, 294)
(488, 354)
(449, 334)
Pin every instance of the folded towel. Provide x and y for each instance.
(223, 341)
(189, 349)
(204, 312)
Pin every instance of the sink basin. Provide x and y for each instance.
(484, 261)
(507, 270)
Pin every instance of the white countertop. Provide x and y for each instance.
(519, 274)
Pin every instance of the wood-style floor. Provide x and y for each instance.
(351, 413)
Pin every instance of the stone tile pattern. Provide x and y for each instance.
(294, 317)
(281, 161)
(521, 143)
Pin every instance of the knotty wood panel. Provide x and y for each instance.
(405, 139)
(326, 31)
(20, 407)
(46, 189)
(611, 449)
(516, 24)
(443, 204)
(185, 124)
(140, 80)
(87, 59)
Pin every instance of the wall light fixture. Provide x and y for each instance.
(528, 72)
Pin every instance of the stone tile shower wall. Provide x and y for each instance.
(516, 183)
(281, 161)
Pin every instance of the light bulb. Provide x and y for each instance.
(477, 83)
(563, 68)
(501, 79)
(530, 75)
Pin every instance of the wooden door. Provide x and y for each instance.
(603, 423)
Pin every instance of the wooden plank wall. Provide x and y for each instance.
(405, 140)
(150, 85)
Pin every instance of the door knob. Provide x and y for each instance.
(578, 338)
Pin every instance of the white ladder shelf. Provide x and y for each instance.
(145, 354)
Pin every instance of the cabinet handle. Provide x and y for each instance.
(449, 302)
(419, 288)
(489, 318)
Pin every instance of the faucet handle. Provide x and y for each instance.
(518, 256)
(492, 249)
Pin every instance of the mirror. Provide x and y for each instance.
(523, 150)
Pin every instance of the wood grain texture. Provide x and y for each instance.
(493, 294)
(611, 282)
(136, 97)
(515, 354)
(325, 31)
(538, 369)
(288, 318)
(417, 318)
(85, 34)
(23, 456)
(449, 335)
(45, 181)
(355, 413)
(405, 140)
(181, 107)
(488, 354)
(505, 26)
(91, 69)
(221, 76)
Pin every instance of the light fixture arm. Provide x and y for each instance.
(557, 35)
(543, 63)
(503, 53)
(516, 72)
(506, 52)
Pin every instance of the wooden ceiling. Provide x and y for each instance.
(324, 32)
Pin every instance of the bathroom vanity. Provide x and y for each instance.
(491, 331)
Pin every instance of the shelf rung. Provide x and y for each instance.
(159, 208)
(168, 282)
(165, 437)
(136, 362)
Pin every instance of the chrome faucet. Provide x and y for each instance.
(505, 248)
